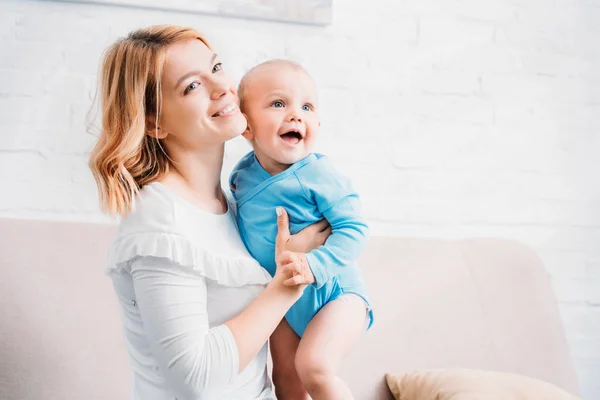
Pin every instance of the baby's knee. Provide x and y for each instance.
(313, 371)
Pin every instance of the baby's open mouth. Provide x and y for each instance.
(291, 137)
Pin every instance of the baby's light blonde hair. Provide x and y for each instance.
(126, 157)
(244, 82)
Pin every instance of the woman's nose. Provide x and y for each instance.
(220, 87)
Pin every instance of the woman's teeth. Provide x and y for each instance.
(226, 110)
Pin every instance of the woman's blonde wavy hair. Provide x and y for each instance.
(126, 157)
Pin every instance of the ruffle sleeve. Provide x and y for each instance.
(227, 271)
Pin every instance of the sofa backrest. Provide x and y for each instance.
(476, 303)
(481, 303)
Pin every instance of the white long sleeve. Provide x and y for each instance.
(180, 273)
(197, 360)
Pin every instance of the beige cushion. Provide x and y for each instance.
(464, 384)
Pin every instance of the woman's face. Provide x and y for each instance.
(200, 103)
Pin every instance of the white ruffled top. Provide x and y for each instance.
(180, 273)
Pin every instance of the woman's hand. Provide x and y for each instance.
(300, 270)
(308, 238)
(292, 267)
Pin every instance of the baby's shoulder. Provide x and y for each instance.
(319, 169)
(244, 164)
(321, 175)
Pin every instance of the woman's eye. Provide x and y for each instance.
(307, 107)
(277, 104)
(190, 87)
(217, 67)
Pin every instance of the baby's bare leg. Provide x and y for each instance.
(327, 340)
(284, 343)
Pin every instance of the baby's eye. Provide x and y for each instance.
(217, 67)
(191, 87)
(277, 104)
(307, 107)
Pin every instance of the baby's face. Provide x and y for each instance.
(281, 109)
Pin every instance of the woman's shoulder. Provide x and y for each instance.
(153, 210)
(149, 229)
(164, 226)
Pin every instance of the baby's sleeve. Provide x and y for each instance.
(340, 204)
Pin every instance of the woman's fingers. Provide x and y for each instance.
(318, 227)
(285, 257)
(310, 237)
(294, 281)
(293, 268)
(324, 234)
(294, 271)
(283, 230)
(322, 225)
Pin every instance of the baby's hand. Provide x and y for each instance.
(300, 270)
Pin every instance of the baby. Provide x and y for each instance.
(279, 100)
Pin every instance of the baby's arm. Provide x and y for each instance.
(340, 205)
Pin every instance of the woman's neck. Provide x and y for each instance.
(196, 175)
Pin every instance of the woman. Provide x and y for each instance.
(197, 309)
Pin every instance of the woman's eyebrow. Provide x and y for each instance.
(194, 72)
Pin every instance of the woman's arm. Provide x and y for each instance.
(196, 360)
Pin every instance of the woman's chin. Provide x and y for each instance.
(236, 127)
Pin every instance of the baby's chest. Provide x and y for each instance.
(287, 193)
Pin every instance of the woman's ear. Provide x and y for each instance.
(248, 134)
(153, 130)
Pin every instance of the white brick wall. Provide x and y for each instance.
(455, 118)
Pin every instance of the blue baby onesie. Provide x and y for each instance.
(309, 190)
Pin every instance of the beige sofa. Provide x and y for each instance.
(481, 303)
